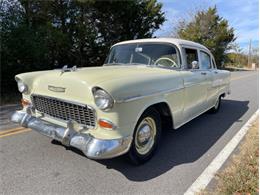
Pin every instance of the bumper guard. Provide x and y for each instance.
(93, 148)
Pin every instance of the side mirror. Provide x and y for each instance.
(195, 65)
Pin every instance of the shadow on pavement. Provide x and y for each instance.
(185, 145)
(5, 115)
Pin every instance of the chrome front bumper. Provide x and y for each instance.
(93, 148)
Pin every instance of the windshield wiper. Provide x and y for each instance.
(112, 64)
(136, 63)
(125, 64)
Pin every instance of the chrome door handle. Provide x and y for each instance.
(203, 73)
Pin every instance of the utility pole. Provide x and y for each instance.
(249, 54)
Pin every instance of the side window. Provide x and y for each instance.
(191, 55)
(205, 60)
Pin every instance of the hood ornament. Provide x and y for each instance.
(66, 69)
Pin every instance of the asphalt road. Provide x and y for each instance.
(34, 164)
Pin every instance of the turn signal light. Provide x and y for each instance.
(25, 102)
(105, 124)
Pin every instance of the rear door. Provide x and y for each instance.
(211, 74)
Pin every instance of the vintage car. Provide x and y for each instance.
(122, 107)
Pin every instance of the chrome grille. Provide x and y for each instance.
(65, 110)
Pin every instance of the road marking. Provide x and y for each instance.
(241, 77)
(11, 130)
(14, 132)
(208, 174)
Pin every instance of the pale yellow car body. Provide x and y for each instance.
(134, 88)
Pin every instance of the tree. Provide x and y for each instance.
(209, 29)
(238, 58)
(235, 57)
(255, 56)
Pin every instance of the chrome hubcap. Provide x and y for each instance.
(145, 135)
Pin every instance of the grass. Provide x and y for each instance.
(241, 174)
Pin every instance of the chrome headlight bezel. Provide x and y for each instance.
(22, 87)
(103, 99)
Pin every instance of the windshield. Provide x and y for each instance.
(144, 53)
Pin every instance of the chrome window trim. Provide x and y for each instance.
(213, 62)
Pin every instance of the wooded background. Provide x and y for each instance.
(39, 35)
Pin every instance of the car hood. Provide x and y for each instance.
(96, 75)
(117, 80)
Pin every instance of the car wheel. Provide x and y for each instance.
(215, 109)
(146, 137)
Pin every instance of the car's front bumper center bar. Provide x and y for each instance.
(92, 147)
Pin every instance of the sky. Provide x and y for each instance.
(242, 15)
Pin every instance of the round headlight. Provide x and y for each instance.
(22, 87)
(102, 99)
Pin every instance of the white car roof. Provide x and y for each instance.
(177, 42)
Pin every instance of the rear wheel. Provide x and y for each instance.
(146, 137)
(215, 109)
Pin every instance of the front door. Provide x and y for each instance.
(195, 86)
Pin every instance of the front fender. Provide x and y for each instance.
(130, 112)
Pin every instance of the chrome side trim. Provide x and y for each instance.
(137, 97)
(92, 147)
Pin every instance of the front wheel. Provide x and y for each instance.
(146, 137)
